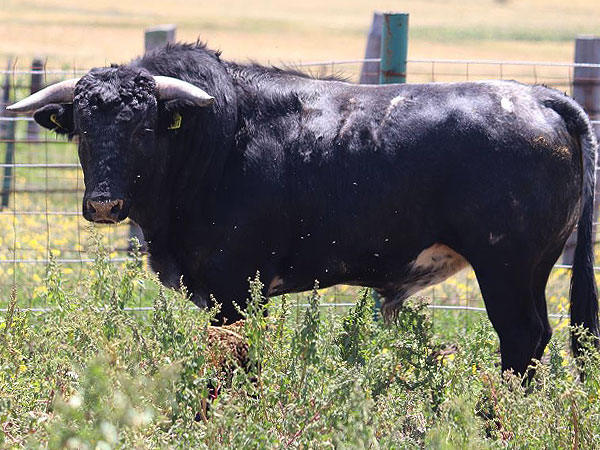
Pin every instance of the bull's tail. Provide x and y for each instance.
(584, 294)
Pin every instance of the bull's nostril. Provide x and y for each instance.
(105, 211)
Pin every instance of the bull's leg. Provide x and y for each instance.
(540, 304)
(512, 308)
(541, 275)
(232, 291)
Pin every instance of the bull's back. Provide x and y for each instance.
(431, 160)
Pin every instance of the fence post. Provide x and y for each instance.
(7, 133)
(158, 36)
(394, 48)
(586, 90)
(37, 80)
(369, 73)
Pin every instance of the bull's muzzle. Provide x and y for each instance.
(104, 211)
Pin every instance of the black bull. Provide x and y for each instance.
(393, 187)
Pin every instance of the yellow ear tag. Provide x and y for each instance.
(176, 122)
(55, 121)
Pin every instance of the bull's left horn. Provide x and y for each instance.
(172, 88)
(56, 93)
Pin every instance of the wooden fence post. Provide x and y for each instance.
(153, 37)
(7, 133)
(394, 48)
(586, 90)
(158, 35)
(369, 73)
(37, 81)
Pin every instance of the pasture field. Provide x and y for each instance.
(92, 373)
(89, 32)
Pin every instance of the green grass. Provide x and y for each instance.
(90, 374)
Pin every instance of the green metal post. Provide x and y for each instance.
(394, 48)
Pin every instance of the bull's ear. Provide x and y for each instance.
(173, 113)
(55, 117)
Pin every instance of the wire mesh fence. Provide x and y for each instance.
(42, 189)
(40, 214)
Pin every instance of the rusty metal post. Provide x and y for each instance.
(394, 48)
(586, 90)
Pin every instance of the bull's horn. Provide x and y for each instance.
(172, 88)
(61, 92)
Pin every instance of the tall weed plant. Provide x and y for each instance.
(93, 374)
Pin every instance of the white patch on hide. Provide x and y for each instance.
(396, 100)
(393, 103)
(432, 266)
(495, 238)
(507, 105)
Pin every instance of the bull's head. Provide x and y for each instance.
(115, 113)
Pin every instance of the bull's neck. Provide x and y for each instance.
(264, 92)
(151, 201)
(190, 160)
(194, 159)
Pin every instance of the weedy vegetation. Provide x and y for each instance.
(92, 374)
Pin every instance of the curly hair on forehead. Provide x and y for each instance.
(112, 86)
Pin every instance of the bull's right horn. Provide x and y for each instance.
(172, 88)
(61, 92)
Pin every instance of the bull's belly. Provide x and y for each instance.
(433, 265)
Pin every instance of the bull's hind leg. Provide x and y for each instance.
(512, 307)
(540, 280)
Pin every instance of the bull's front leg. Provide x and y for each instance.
(171, 275)
(225, 279)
